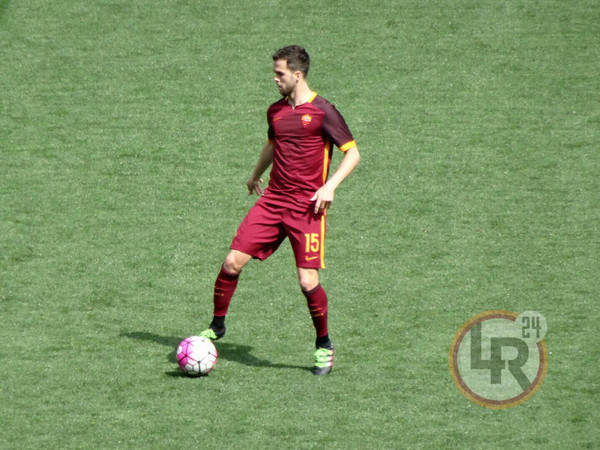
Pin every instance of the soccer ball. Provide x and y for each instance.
(196, 355)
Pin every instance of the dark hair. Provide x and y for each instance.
(297, 58)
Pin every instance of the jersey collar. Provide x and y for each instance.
(313, 95)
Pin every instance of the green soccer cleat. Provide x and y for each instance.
(209, 333)
(323, 361)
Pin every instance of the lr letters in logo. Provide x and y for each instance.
(498, 359)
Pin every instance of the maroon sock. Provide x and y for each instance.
(317, 305)
(224, 288)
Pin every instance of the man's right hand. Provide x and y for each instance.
(254, 186)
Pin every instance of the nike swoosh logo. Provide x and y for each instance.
(311, 258)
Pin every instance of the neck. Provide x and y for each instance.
(300, 95)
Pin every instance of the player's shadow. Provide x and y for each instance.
(227, 350)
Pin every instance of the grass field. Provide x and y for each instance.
(127, 131)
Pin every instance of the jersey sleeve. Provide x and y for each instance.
(270, 130)
(336, 129)
(270, 133)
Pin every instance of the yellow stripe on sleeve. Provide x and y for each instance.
(347, 146)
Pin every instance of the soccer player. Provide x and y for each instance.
(303, 127)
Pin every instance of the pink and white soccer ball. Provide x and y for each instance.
(196, 355)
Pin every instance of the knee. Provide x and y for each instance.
(309, 279)
(234, 263)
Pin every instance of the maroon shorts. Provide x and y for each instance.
(266, 226)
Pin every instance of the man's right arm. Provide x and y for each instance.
(264, 161)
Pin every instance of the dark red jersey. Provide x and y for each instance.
(303, 139)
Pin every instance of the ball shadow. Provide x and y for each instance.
(238, 353)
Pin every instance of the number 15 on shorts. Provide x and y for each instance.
(313, 242)
(313, 250)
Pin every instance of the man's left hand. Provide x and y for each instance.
(323, 199)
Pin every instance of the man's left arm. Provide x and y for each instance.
(324, 196)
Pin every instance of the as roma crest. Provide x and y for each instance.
(306, 119)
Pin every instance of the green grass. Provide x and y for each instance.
(127, 131)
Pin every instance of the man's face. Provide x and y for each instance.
(284, 77)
